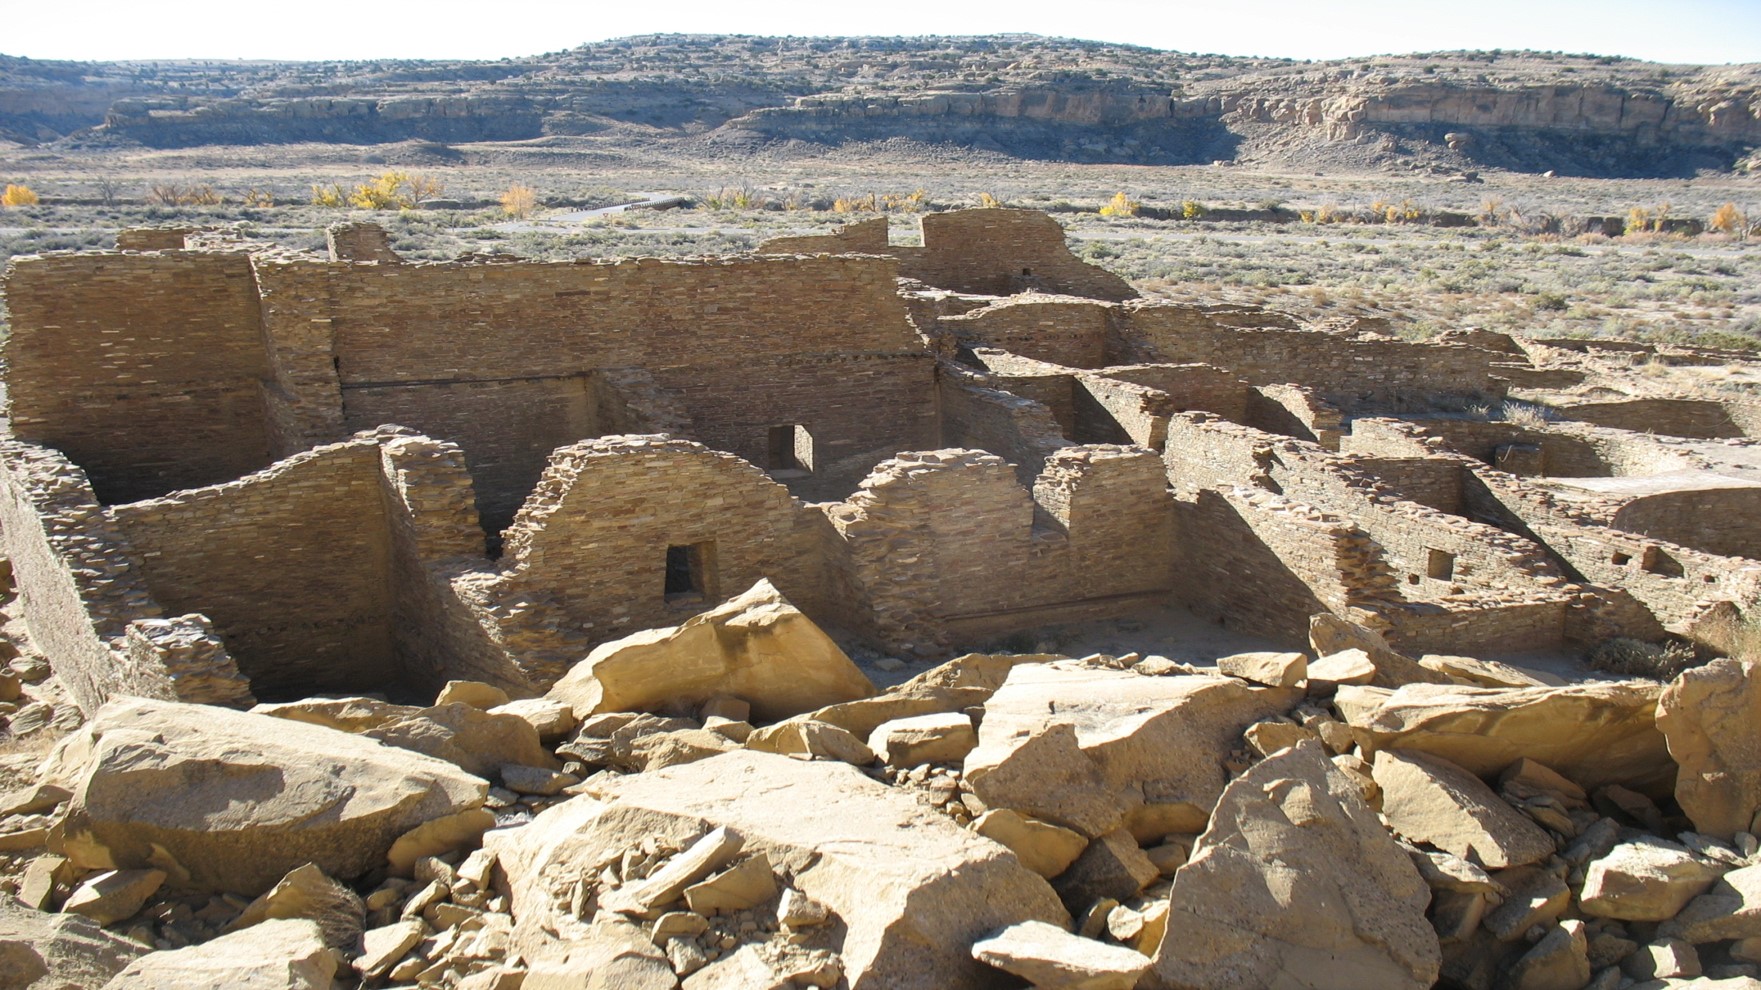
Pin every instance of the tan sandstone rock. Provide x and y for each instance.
(1295, 884)
(1050, 957)
(1085, 748)
(1430, 800)
(226, 800)
(1285, 670)
(113, 895)
(1042, 847)
(757, 647)
(1729, 909)
(474, 693)
(275, 955)
(1613, 738)
(477, 741)
(1482, 673)
(1645, 879)
(40, 951)
(912, 890)
(307, 893)
(1330, 634)
(1711, 717)
(943, 737)
(961, 683)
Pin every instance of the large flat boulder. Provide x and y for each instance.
(1092, 748)
(231, 801)
(275, 955)
(1430, 800)
(1595, 733)
(40, 951)
(909, 890)
(477, 741)
(757, 648)
(1296, 884)
(961, 683)
(1711, 718)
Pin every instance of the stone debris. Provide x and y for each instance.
(274, 955)
(943, 737)
(113, 895)
(1708, 715)
(44, 951)
(1050, 957)
(1430, 800)
(1042, 847)
(475, 740)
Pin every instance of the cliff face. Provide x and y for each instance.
(1026, 96)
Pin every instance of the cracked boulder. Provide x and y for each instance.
(1296, 885)
(1711, 717)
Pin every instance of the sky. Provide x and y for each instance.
(1699, 31)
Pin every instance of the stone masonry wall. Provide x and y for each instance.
(1069, 332)
(861, 237)
(291, 564)
(1722, 521)
(1015, 428)
(586, 558)
(142, 368)
(1001, 252)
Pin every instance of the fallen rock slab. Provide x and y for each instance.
(113, 895)
(1613, 737)
(911, 890)
(275, 955)
(1430, 800)
(1050, 957)
(1283, 670)
(472, 739)
(1086, 747)
(232, 801)
(1042, 847)
(40, 951)
(1729, 909)
(757, 648)
(1296, 884)
(1711, 718)
(942, 737)
(1646, 879)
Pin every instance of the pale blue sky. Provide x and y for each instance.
(1660, 30)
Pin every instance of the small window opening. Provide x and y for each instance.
(689, 570)
(1412, 579)
(1620, 559)
(789, 450)
(1440, 564)
(1026, 273)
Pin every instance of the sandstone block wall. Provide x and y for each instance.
(861, 237)
(1699, 418)
(1068, 332)
(142, 368)
(291, 564)
(586, 557)
(1005, 423)
(1722, 521)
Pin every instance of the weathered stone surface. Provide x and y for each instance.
(1296, 884)
(912, 890)
(806, 736)
(307, 893)
(1646, 879)
(1344, 667)
(1559, 961)
(1482, 673)
(275, 955)
(113, 895)
(474, 693)
(1536, 897)
(737, 888)
(944, 737)
(757, 647)
(1613, 738)
(475, 740)
(666, 885)
(1664, 959)
(1111, 867)
(1084, 747)
(961, 683)
(1270, 736)
(1729, 909)
(1711, 717)
(1050, 957)
(666, 749)
(1285, 670)
(603, 957)
(437, 837)
(1330, 634)
(40, 951)
(1042, 847)
(382, 947)
(1430, 800)
(551, 719)
(232, 801)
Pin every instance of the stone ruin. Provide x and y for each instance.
(627, 522)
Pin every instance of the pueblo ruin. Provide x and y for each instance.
(701, 623)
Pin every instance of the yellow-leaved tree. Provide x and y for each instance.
(519, 201)
(1121, 206)
(16, 195)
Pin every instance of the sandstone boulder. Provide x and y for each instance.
(113, 895)
(1729, 909)
(41, 951)
(936, 738)
(961, 683)
(1042, 847)
(1430, 800)
(1330, 634)
(1285, 670)
(1645, 879)
(465, 735)
(1091, 749)
(275, 955)
(1050, 957)
(911, 891)
(1612, 735)
(1711, 717)
(308, 894)
(1483, 673)
(232, 801)
(1296, 884)
(757, 647)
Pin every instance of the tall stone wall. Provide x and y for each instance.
(861, 237)
(1069, 332)
(1722, 521)
(1013, 427)
(1698, 418)
(145, 369)
(291, 564)
(1000, 252)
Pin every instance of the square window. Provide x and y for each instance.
(1439, 564)
(690, 573)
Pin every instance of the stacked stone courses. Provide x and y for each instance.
(237, 476)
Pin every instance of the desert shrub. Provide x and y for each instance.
(1192, 209)
(259, 197)
(988, 201)
(1121, 205)
(907, 203)
(395, 190)
(18, 195)
(519, 201)
(1727, 219)
(1630, 657)
(331, 196)
(175, 194)
(854, 204)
